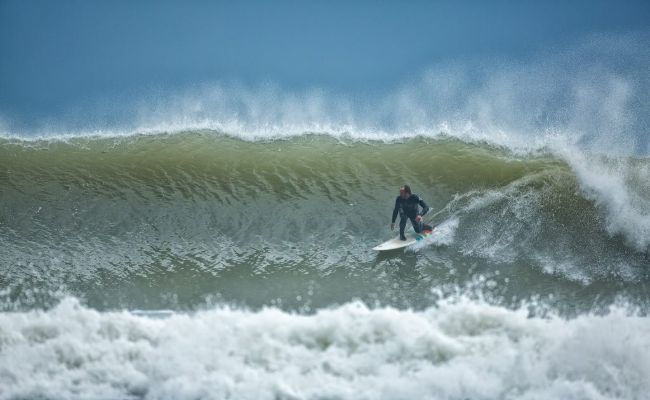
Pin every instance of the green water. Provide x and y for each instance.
(178, 221)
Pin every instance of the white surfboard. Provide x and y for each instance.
(396, 243)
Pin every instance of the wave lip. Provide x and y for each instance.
(458, 349)
(618, 185)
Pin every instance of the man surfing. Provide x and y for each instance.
(406, 205)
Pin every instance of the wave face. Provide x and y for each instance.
(178, 220)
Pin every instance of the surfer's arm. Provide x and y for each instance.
(395, 211)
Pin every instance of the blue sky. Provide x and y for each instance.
(58, 55)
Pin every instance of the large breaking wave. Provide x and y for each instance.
(201, 210)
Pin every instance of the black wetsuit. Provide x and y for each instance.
(408, 208)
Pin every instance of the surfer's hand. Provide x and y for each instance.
(418, 218)
(392, 226)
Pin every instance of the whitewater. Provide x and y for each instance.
(457, 349)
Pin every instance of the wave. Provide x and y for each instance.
(137, 212)
(457, 349)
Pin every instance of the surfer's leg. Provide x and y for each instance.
(416, 225)
(402, 225)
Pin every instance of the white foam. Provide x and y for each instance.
(619, 185)
(443, 235)
(458, 349)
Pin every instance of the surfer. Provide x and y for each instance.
(406, 205)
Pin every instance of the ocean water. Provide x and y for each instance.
(204, 264)
(215, 243)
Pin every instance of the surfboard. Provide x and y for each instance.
(396, 243)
